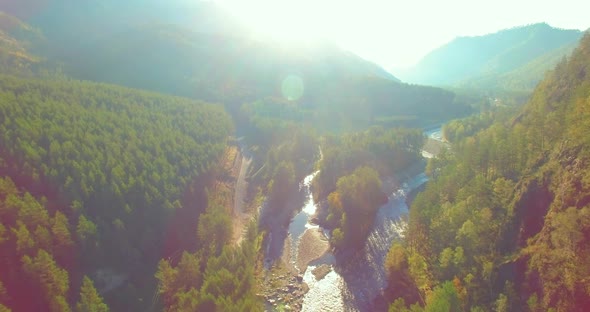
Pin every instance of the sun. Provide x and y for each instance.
(281, 20)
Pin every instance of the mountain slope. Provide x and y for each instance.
(174, 59)
(525, 77)
(16, 41)
(491, 56)
(212, 59)
(108, 170)
(506, 219)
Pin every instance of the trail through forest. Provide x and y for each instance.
(240, 191)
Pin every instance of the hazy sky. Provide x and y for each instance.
(397, 34)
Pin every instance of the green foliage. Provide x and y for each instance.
(33, 245)
(386, 150)
(443, 298)
(533, 303)
(53, 280)
(282, 182)
(122, 156)
(350, 105)
(456, 130)
(511, 59)
(60, 231)
(90, 300)
(399, 305)
(353, 206)
(219, 277)
(215, 227)
(85, 229)
(514, 196)
(402, 284)
(349, 177)
(396, 259)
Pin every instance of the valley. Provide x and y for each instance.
(174, 160)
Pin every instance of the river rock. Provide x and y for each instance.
(321, 271)
(311, 246)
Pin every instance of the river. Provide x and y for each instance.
(354, 284)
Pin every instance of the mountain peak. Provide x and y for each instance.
(474, 57)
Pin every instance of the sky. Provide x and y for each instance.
(397, 34)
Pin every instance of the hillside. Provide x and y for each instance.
(16, 41)
(525, 77)
(209, 57)
(507, 55)
(95, 180)
(505, 221)
(233, 69)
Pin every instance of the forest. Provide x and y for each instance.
(503, 224)
(115, 139)
(93, 174)
(349, 177)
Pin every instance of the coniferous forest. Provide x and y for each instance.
(165, 162)
(504, 223)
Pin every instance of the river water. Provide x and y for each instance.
(352, 286)
(435, 133)
(355, 283)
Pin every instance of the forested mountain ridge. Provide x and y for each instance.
(209, 57)
(505, 221)
(525, 77)
(485, 61)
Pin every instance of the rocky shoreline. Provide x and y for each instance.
(312, 246)
(283, 290)
(283, 287)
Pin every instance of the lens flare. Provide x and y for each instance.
(292, 87)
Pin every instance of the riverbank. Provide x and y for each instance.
(283, 289)
(312, 246)
(241, 215)
(413, 193)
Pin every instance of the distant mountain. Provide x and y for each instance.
(525, 77)
(195, 49)
(173, 59)
(186, 39)
(530, 173)
(514, 58)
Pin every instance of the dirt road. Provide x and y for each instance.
(241, 218)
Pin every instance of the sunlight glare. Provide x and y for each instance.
(287, 21)
(292, 87)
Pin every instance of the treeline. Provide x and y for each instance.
(360, 102)
(340, 90)
(350, 168)
(114, 163)
(386, 150)
(353, 104)
(457, 130)
(504, 224)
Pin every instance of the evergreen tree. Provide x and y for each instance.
(90, 300)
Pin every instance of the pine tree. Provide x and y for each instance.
(90, 300)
